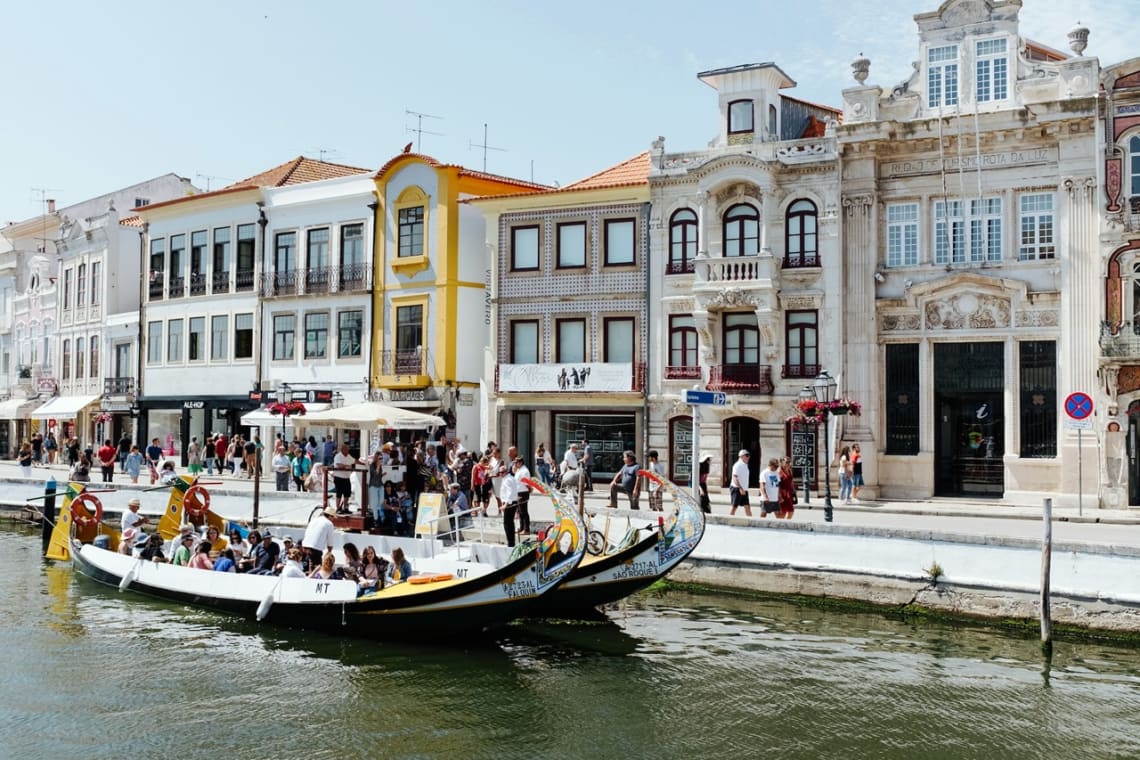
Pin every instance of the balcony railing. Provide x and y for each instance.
(1120, 339)
(221, 282)
(118, 386)
(680, 267)
(800, 370)
(155, 287)
(802, 261)
(403, 362)
(198, 284)
(316, 281)
(683, 373)
(743, 270)
(754, 379)
(244, 280)
(177, 288)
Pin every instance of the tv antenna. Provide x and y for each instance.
(484, 146)
(210, 178)
(419, 128)
(46, 207)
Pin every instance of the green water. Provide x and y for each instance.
(93, 673)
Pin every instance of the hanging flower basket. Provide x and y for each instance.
(811, 412)
(104, 417)
(289, 408)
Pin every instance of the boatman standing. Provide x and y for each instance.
(319, 535)
(132, 518)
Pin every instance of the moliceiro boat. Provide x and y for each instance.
(643, 556)
(445, 593)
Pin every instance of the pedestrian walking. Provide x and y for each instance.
(738, 487)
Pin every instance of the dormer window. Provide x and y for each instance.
(740, 117)
(942, 76)
(992, 70)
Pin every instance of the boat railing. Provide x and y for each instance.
(454, 529)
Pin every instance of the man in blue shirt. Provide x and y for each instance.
(627, 481)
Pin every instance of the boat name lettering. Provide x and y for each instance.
(461, 572)
(323, 588)
(636, 570)
(519, 589)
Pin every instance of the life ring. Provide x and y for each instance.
(196, 501)
(91, 504)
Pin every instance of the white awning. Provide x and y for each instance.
(17, 408)
(63, 407)
(262, 418)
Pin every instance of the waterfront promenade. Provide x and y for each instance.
(988, 554)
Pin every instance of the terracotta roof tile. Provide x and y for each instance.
(131, 221)
(297, 171)
(632, 171)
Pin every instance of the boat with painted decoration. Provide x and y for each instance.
(446, 593)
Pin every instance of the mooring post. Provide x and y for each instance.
(1046, 560)
(47, 524)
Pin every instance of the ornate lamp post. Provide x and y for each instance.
(824, 389)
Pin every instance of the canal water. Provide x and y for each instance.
(89, 672)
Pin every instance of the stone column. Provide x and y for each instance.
(857, 347)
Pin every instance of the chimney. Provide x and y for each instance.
(51, 205)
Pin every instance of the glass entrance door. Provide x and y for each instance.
(969, 432)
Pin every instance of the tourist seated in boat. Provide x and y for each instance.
(286, 547)
(373, 570)
(245, 564)
(400, 569)
(127, 543)
(151, 548)
(265, 555)
(183, 548)
(214, 536)
(201, 558)
(328, 571)
(292, 566)
(353, 565)
(131, 518)
(225, 562)
(238, 545)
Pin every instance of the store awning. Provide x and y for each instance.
(63, 407)
(17, 408)
(262, 417)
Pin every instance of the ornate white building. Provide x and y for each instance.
(971, 262)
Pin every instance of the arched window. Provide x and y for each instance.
(801, 241)
(682, 241)
(741, 231)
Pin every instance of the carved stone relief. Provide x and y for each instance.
(894, 322)
(968, 311)
(731, 297)
(1038, 318)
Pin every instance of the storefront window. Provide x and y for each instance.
(609, 435)
(164, 425)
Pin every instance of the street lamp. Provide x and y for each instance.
(824, 389)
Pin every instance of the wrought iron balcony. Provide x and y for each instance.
(177, 288)
(155, 287)
(800, 370)
(221, 282)
(747, 379)
(118, 386)
(683, 372)
(244, 280)
(403, 362)
(1120, 339)
(680, 267)
(198, 284)
(316, 281)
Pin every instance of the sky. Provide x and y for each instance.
(99, 96)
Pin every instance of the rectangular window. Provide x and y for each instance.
(942, 76)
(411, 232)
(348, 327)
(992, 70)
(81, 285)
(284, 262)
(67, 273)
(198, 262)
(571, 336)
(351, 254)
(902, 400)
(619, 334)
(902, 235)
(409, 328)
(1036, 224)
(317, 253)
(243, 336)
(316, 335)
(740, 117)
(221, 260)
(177, 266)
(93, 349)
(174, 329)
(682, 342)
(219, 338)
(524, 248)
(618, 242)
(1038, 382)
(284, 327)
(80, 356)
(96, 285)
(196, 343)
(967, 226)
(802, 344)
(524, 341)
(66, 369)
(246, 250)
(153, 342)
(571, 245)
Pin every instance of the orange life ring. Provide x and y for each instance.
(196, 501)
(93, 509)
(441, 577)
(419, 580)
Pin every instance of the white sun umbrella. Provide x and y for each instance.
(370, 414)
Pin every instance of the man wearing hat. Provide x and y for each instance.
(318, 536)
(457, 505)
(738, 488)
(183, 546)
(128, 541)
(265, 555)
(132, 518)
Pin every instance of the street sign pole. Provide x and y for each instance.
(696, 454)
(1079, 408)
(1080, 476)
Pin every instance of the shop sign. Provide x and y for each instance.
(193, 404)
(566, 378)
(411, 395)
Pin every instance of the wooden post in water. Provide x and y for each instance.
(1046, 560)
(47, 522)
